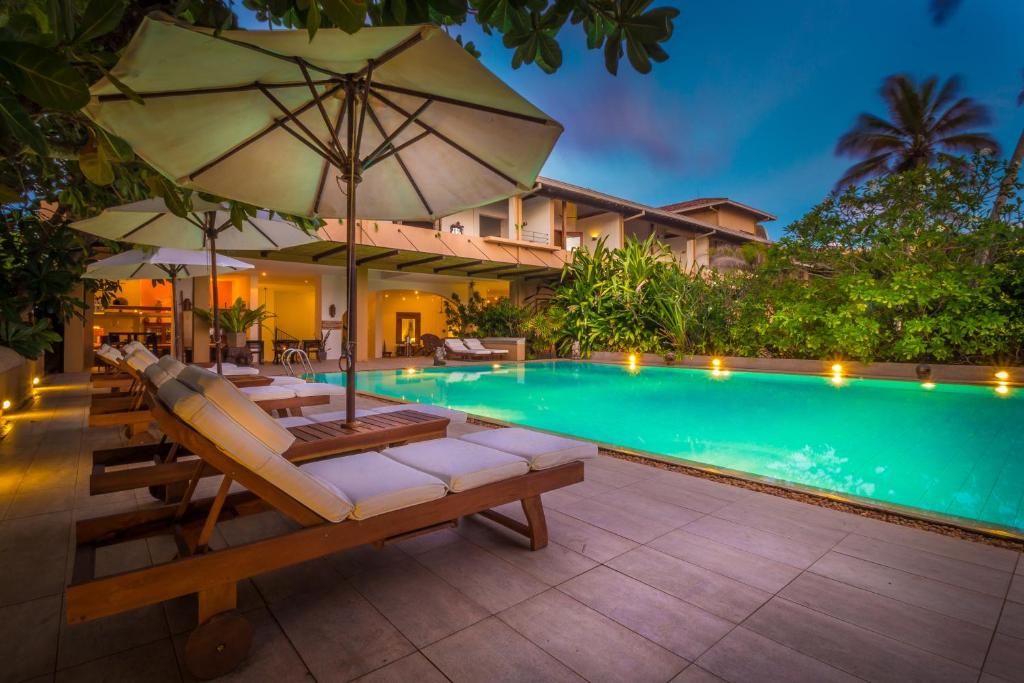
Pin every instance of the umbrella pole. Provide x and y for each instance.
(175, 327)
(211, 234)
(350, 261)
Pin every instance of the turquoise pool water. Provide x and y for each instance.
(954, 450)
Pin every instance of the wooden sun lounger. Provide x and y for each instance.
(222, 638)
(167, 476)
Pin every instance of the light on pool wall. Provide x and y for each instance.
(1002, 383)
(837, 374)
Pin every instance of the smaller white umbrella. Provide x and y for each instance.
(163, 264)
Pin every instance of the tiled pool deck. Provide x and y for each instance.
(650, 576)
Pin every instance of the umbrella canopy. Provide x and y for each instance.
(208, 225)
(261, 117)
(388, 123)
(163, 264)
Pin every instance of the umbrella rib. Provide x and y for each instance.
(399, 148)
(324, 150)
(265, 235)
(327, 164)
(390, 54)
(135, 272)
(278, 123)
(140, 227)
(463, 103)
(370, 158)
(398, 158)
(332, 131)
(444, 138)
(265, 51)
(118, 97)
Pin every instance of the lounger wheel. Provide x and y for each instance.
(218, 645)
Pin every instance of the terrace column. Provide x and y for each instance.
(200, 330)
(363, 294)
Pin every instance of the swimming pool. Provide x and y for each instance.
(951, 450)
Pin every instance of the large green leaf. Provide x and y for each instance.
(20, 124)
(94, 162)
(348, 15)
(43, 76)
(114, 147)
(101, 17)
(313, 19)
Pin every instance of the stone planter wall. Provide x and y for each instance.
(957, 374)
(16, 374)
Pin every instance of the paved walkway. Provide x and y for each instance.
(650, 576)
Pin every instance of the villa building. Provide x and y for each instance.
(514, 248)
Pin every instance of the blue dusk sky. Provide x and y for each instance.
(755, 94)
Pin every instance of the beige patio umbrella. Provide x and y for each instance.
(163, 264)
(208, 226)
(388, 123)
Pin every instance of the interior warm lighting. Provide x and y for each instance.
(1002, 375)
(6, 405)
(1001, 389)
(837, 368)
(263, 274)
(928, 385)
(35, 381)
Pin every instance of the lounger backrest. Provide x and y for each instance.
(250, 453)
(248, 416)
(456, 345)
(156, 375)
(171, 365)
(473, 344)
(110, 354)
(139, 361)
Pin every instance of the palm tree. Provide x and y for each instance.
(927, 123)
(1012, 170)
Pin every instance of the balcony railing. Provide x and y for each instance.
(535, 237)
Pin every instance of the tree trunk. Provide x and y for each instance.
(1009, 178)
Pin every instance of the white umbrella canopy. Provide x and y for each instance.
(207, 226)
(258, 116)
(163, 264)
(396, 123)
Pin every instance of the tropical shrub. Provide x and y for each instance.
(237, 318)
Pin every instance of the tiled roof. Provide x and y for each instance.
(703, 202)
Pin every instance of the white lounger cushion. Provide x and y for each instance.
(248, 416)
(376, 484)
(232, 370)
(539, 449)
(157, 375)
(286, 380)
(171, 365)
(317, 389)
(267, 392)
(452, 415)
(140, 349)
(458, 346)
(139, 360)
(110, 354)
(238, 444)
(474, 344)
(459, 464)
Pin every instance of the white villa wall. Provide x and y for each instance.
(537, 217)
(608, 225)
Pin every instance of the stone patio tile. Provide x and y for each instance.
(30, 571)
(153, 663)
(486, 579)
(587, 488)
(559, 498)
(48, 475)
(40, 501)
(366, 558)
(613, 478)
(1002, 559)
(272, 657)
(746, 657)
(182, 613)
(1016, 592)
(961, 603)
(109, 635)
(677, 626)
(492, 651)
(28, 638)
(608, 515)
(1006, 658)
(338, 634)
(418, 545)
(552, 565)
(575, 534)
(711, 592)
(800, 553)
(613, 464)
(717, 489)
(937, 633)
(1011, 623)
(282, 584)
(591, 644)
(414, 667)
(753, 570)
(422, 606)
(47, 534)
(695, 674)
(254, 528)
(784, 522)
(670, 492)
(803, 513)
(856, 650)
(938, 567)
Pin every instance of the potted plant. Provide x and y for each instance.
(236, 320)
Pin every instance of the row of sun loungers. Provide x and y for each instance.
(472, 349)
(337, 500)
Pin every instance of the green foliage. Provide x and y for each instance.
(41, 263)
(238, 318)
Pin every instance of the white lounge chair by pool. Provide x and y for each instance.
(474, 344)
